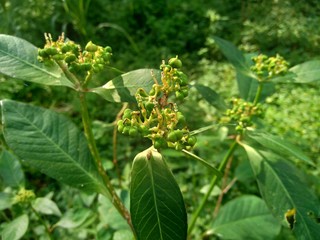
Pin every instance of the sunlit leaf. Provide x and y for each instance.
(16, 229)
(124, 87)
(46, 206)
(18, 59)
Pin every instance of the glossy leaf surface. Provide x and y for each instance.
(156, 204)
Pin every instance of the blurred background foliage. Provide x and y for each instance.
(142, 33)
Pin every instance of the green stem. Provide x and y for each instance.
(42, 221)
(95, 153)
(258, 94)
(212, 184)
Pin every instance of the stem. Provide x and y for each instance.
(94, 151)
(42, 221)
(258, 94)
(212, 184)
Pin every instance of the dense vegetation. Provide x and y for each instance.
(141, 34)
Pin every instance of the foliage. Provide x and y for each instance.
(248, 131)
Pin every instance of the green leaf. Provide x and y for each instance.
(18, 59)
(16, 229)
(232, 53)
(282, 188)
(278, 145)
(46, 206)
(10, 170)
(306, 72)
(124, 87)
(51, 143)
(246, 217)
(6, 200)
(156, 204)
(211, 96)
(74, 218)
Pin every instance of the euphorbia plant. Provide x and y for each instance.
(53, 144)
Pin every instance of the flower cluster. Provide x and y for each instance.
(242, 113)
(269, 67)
(24, 196)
(92, 59)
(157, 118)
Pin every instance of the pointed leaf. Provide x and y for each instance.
(246, 217)
(124, 87)
(18, 59)
(10, 170)
(211, 96)
(282, 188)
(306, 72)
(16, 229)
(51, 143)
(6, 200)
(156, 204)
(46, 206)
(278, 145)
(74, 218)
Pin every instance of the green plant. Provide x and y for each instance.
(51, 143)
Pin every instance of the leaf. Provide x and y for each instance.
(306, 72)
(246, 217)
(18, 59)
(16, 229)
(6, 200)
(156, 203)
(278, 145)
(235, 56)
(51, 143)
(74, 218)
(282, 188)
(211, 96)
(10, 170)
(46, 206)
(124, 87)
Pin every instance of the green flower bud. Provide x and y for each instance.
(70, 58)
(127, 113)
(108, 49)
(192, 140)
(120, 125)
(133, 132)
(159, 143)
(51, 51)
(126, 130)
(179, 95)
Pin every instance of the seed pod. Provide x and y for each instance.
(127, 113)
(175, 135)
(175, 62)
(159, 143)
(120, 125)
(133, 132)
(192, 140)
(70, 58)
(91, 47)
(51, 51)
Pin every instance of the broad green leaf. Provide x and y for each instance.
(51, 143)
(10, 170)
(6, 200)
(278, 145)
(16, 229)
(124, 87)
(246, 217)
(122, 234)
(232, 53)
(74, 218)
(306, 72)
(156, 204)
(18, 59)
(46, 206)
(211, 96)
(282, 188)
